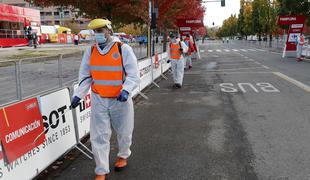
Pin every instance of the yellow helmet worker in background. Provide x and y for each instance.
(110, 69)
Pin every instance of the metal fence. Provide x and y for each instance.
(33, 76)
(277, 43)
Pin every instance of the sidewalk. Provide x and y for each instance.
(189, 133)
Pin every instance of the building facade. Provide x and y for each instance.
(53, 15)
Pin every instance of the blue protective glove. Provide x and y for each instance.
(123, 96)
(75, 102)
(168, 61)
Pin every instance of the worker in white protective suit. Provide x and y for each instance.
(110, 69)
(176, 57)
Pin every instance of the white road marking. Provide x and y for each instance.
(218, 50)
(293, 81)
(246, 57)
(251, 49)
(230, 72)
(202, 50)
(244, 61)
(260, 50)
(245, 87)
(256, 62)
(243, 50)
(236, 69)
(211, 65)
(210, 50)
(266, 67)
(274, 52)
(227, 50)
(235, 50)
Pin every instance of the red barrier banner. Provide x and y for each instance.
(296, 25)
(193, 23)
(288, 20)
(20, 125)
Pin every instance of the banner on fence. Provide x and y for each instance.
(83, 112)
(165, 65)
(145, 70)
(20, 125)
(156, 66)
(59, 138)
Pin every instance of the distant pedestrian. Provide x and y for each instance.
(76, 39)
(177, 48)
(28, 33)
(299, 44)
(35, 40)
(188, 55)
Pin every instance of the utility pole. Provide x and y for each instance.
(269, 24)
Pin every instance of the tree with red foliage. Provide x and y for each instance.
(132, 11)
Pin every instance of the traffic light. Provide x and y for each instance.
(223, 3)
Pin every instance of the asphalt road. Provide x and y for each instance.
(243, 113)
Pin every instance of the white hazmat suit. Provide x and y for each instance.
(177, 66)
(108, 111)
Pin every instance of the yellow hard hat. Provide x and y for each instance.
(99, 23)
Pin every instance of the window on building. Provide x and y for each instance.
(67, 13)
(48, 13)
(41, 13)
(56, 13)
(57, 22)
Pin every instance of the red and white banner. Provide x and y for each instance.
(83, 114)
(59, 138)
(20, 125)
(296, 25)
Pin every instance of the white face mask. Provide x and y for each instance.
(100, 38)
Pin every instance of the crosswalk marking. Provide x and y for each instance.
(235, 50)
(260, 50)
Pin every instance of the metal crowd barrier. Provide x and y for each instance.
(63, 128)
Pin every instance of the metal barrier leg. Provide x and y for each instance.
(83, 152)
(143, 95)
(155, 84)
(85, 147)
(163, 76)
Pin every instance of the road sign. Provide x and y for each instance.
(296, 25)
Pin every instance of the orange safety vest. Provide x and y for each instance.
(301, 41)
(175, 52)
(107, 72)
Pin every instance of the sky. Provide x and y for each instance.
(217, 14)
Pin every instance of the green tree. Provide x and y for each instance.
(247, 28)
(229, 27)
(241, 18)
